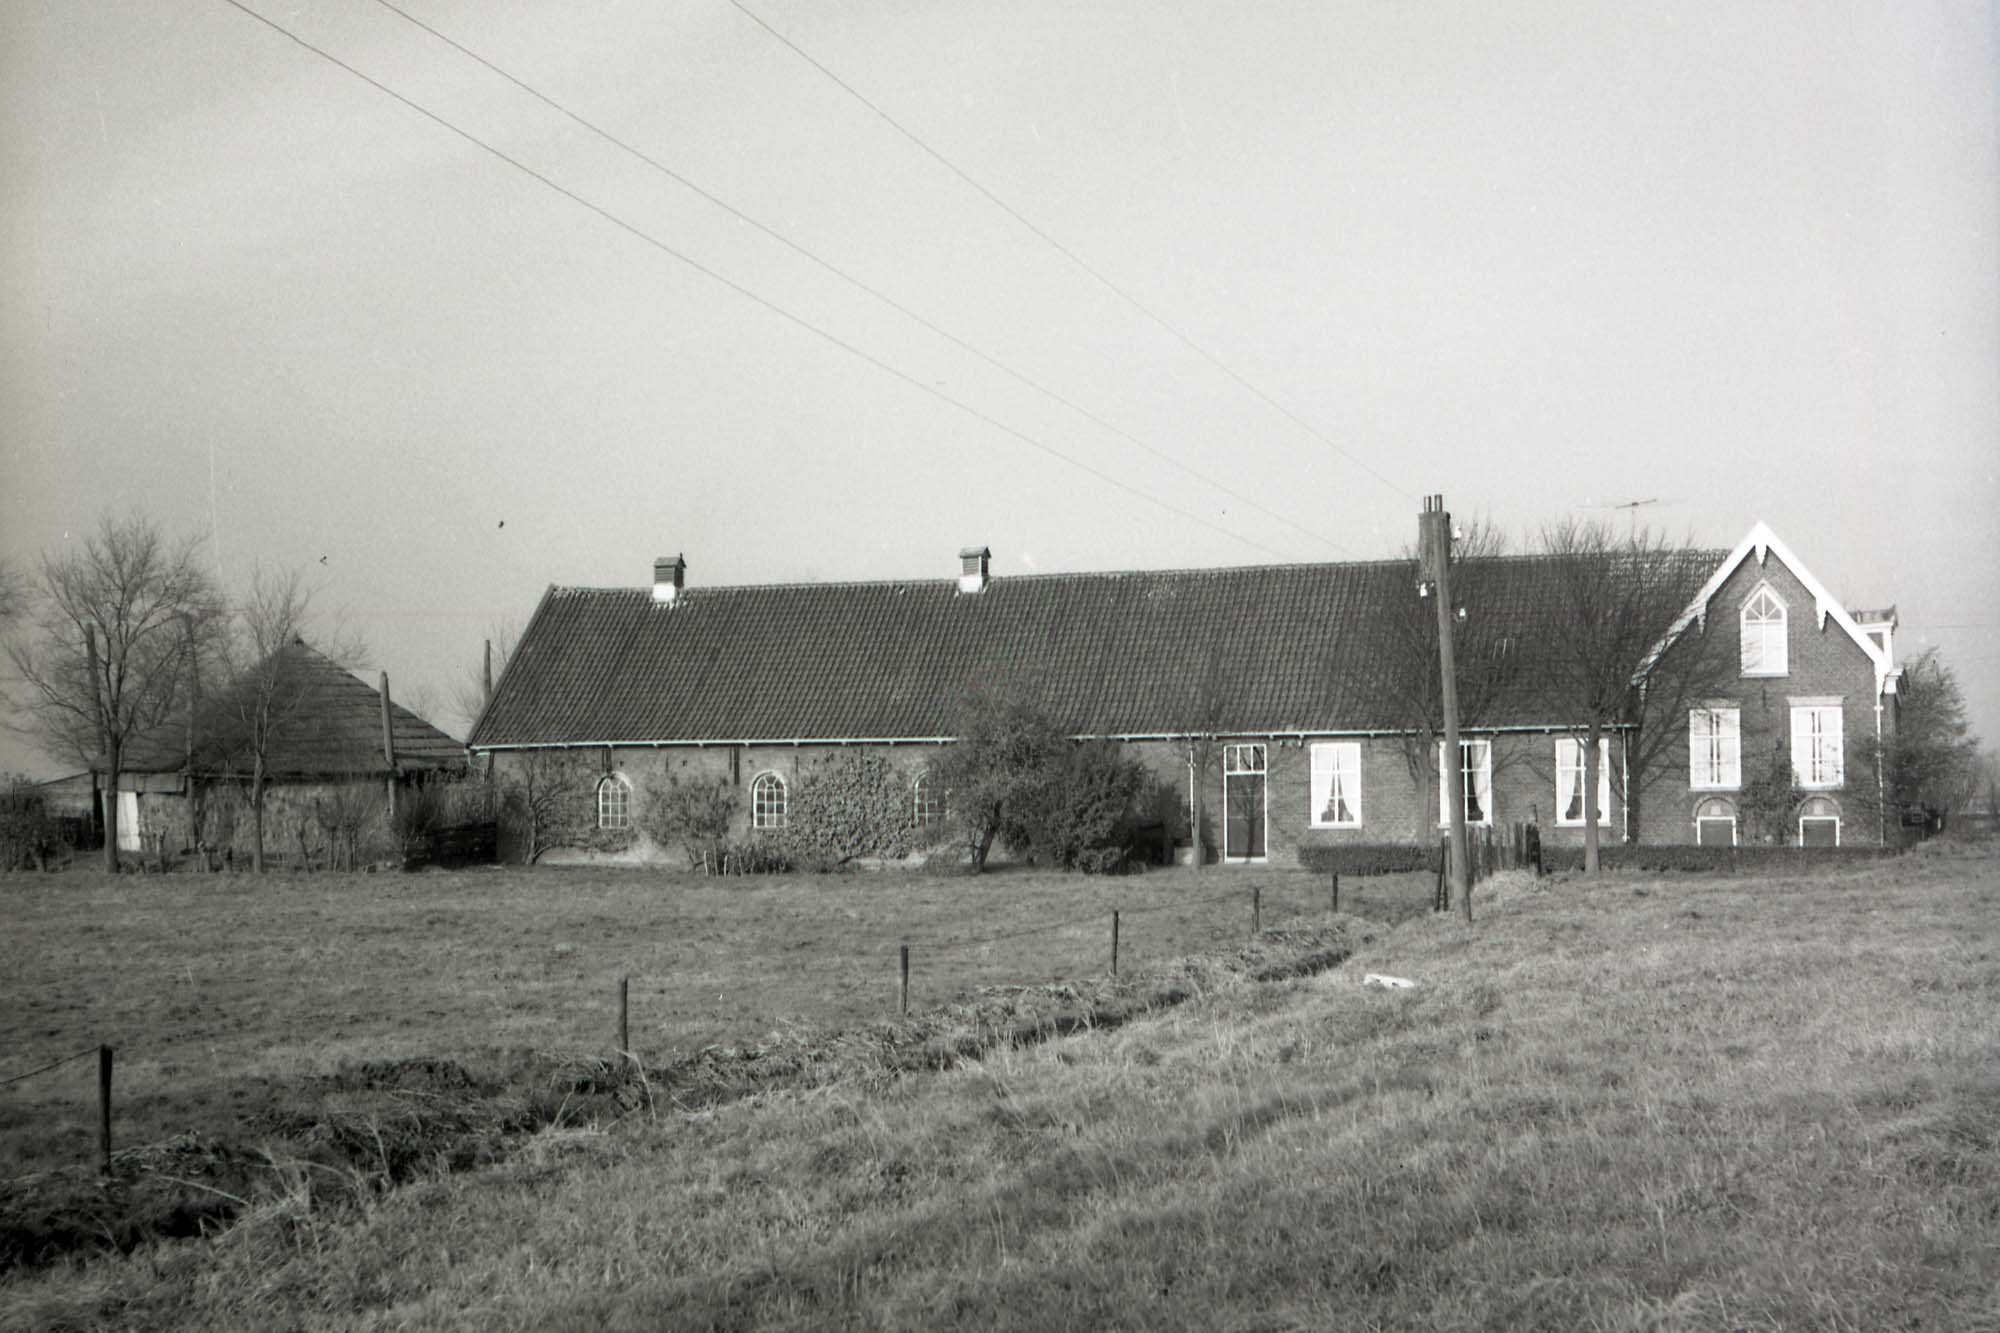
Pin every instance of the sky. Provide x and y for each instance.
(1298, 265)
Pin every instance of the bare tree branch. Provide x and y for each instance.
(113, 628)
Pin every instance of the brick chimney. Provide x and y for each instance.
(669, 577)
(973, 564)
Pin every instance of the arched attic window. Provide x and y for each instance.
(767, 801)
(1764, 634)
(614, 802)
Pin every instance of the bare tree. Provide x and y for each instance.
(104, 654)
(545, 800)
(469, 694)
(1619, 610)
(12, 594)
(273, 700)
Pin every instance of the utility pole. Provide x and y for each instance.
(1434, 546)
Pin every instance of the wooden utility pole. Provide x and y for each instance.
(1434, 546)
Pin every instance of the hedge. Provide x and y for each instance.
(1368, 858)
(1400, 858)
(1714, 860)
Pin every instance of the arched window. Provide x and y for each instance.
(614, 802)
(1715, 822)
(1819, 822)
(767, 801)
(925, 806)
(1764, 634)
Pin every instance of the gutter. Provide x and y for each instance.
(1536, 729)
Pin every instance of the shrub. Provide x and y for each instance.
(1760, 858)
(1080, 811)
(1006, 750)
(1368, 858)
(690, 814)
(851, 804)
(28, 833)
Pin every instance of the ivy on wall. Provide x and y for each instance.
(851, 804)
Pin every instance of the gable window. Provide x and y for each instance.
(1715, 749)
(1569, 781)
(1476, 773)
(1336, 784)
(767, 801)
(1715, 823)
(1818, 755)
(1819, 823)
(1764, 634)
(614, 802)
(925, 807)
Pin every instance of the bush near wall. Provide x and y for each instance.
(1715, 860)
(1368, 858)
(845, 806)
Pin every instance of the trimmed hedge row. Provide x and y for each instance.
(1401, 858)
(1368, 858)
(1714, 860)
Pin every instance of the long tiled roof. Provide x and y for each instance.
(1290, 647)
(334, 727)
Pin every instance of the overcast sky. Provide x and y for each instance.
(1739, 259)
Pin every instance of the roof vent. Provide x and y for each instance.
(973, 563)
(669, 577)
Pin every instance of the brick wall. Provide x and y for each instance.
(1821, 662)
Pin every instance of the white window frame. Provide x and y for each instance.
(924, 812)
(1262, 769)
(1336, 769)
(1819, 818)
(614, 802)
(1571, 768)
(1481, 781)
(1762, 661)
(772, 813)
(1819, 750)
(1729, 819)
(1715, 748)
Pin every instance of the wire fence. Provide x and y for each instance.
(960, 958)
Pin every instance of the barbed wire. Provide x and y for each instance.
(53, 1064)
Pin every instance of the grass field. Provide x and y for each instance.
(1636, 1103)
(220, 992)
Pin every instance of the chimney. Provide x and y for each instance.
(972, 568)
(669, 577)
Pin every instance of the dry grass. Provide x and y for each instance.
(1640, 1103)
(219, 992)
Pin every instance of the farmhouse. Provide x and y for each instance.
(1292, 696)
(338, 752)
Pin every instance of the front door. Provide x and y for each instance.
(1243, 802)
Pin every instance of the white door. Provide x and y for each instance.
(128, 821)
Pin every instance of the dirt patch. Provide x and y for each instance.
(335, 1141)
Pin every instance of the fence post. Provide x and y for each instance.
(1114, 942)
(104, 1108)
(625, 1015)
(1438, 901)
(906, 980)
(1336, 893)
(1256, 912)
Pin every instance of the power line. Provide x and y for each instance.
(745, 292)
(1070, 254)
(830, 267)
